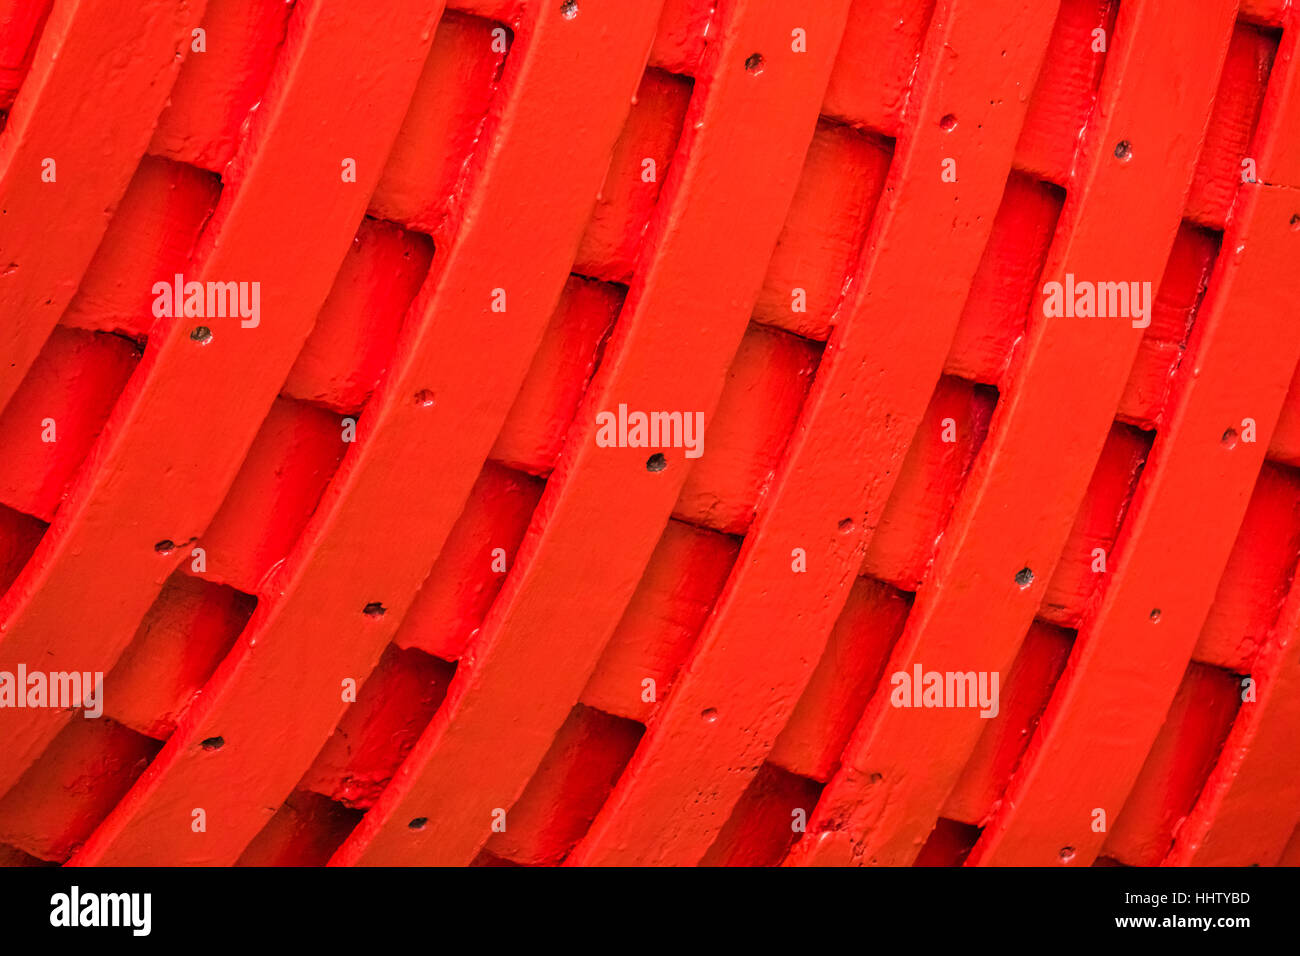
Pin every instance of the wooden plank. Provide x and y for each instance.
(872, 388)
(75, 94)
(604, 508)
(1175, 769)
(1252, 796)
(421, 443)
(189, 414)
(1018, 506)
(1131, 655)
(1250, 804)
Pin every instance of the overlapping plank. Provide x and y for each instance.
(1250, 804)
(762, 643)
(1132, 653)
(420, 445)
(190, 412)
(606, 507)
(100, 75)
(1018, 505)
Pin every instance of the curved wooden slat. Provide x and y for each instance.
(76, 94)
(420, 445)
(604, 511)
(180, 430)
(1132, 653)
(1130, 657)
(1250, 805)
(1050, 424)
(762, 642)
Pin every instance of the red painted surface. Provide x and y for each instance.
(365, 582)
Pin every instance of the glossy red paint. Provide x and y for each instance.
(367, 586)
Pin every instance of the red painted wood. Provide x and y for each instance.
(287, 469)
(450, 607)
(631, 665)
(838, 191)
(152, 232)
(763, 825)
(847, 674)
(1250, 804)
(1258, 574)
(572, 781)
(179, 432)
(1228, 138)
(762, 643)
(1066, 91)
(181, 641)
(1265, 11)
(533, 435)
(1189, 742)
(877, 63)
(631, 190)
(303, 832)
(682, 33)
(443, 124)
(379, 729)
(929, 479)
(218, 88)
(19, 535)
(356, 330)
(74, 95)
(1005, 283)
(1285, 444)
(1116, 690)
(1177, 299)
(1028, 686)
(90, 765)
(542, 628)
(1079, 574)
(428, 429)
(56, 414)
(20, 26)
(765, 389)
(677, 592)
(1018, 505)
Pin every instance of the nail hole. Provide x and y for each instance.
(1155, 615)
(165, 546)
(424, 398)
(656, 462)
(1067, 854)
(1123, 150)
(709, 714)
(569, 9)
(419, 823)
(877, 777)
(754, 64)
(213, 743)
(948, 123)
(846, 526)
(201, 334)
(1295, 222)
(374, 609)
(1024, 577)
(1229, 439)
